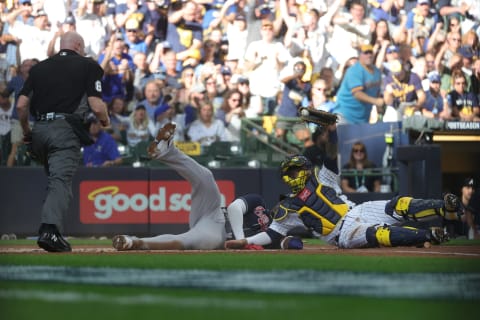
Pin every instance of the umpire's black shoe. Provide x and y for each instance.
(52, 241)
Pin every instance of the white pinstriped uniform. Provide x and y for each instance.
(350, 232)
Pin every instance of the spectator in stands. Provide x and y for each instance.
(296, 93)
(403, 92)
(476, 78)
(320, 100)
(471, 40)
(253, 104)
(169, 61)
(420, 20)
(430, 61)
(184, 33)
(153, 97)
(209, 49)
(134, 37)
(231, 113)
(236, 33)
(20, 13)
(351, 30)
(383, 61)
(5, 126)
(433, 107)
(449, 7)
(104, 151)
(456, 64)
(140, 126)
(263, 60)
(382, 42)
(450, 47)
(472, 210)
(388, 11)
(68, 25)
(119, 69)
(212, 94)
(206, 129)
(467, 59)
(14, 86)
(118, 120)
(360, 89)
(34, 38)
(187, 80)
(141, 75)
(92, 26)
(462, 103)
(359, 180)
(461, 228)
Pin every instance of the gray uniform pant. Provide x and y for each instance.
(206, 219)
(58, 149)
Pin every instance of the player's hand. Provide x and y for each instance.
(105, 122)
(152, 148)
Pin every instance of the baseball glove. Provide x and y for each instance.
(322, 118)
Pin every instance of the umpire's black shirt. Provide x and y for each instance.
(62, 82)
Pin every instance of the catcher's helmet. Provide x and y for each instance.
(295, 171)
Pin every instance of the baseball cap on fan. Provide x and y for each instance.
(469, 182)
(434, 76)
(40, 13)
(420, 2)
(392, 48)
(366, 48)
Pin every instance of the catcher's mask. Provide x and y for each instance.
(295, 171)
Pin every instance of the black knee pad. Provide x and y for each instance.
(390, 206)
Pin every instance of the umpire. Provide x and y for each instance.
(59, 93)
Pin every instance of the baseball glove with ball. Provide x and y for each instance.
(322, 118)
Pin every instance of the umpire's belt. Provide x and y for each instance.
(50, 116)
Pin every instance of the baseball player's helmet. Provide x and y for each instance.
(295, 171)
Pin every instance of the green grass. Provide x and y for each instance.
(49, 300)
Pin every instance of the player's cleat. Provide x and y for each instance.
(163, 141)
(52, 241)
(438, 235)
(453, 207)
(124, 242)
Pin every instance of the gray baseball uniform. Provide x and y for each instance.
(206, 219)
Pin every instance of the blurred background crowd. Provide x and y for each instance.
(208, 64)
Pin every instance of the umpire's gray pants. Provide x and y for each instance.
(58, 149)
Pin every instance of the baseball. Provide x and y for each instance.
(304, 112)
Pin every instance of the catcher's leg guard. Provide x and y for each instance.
(391, 236)
(415, 209)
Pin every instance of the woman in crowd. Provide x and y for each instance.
(206, 129)
(231, 113)
(358, 163)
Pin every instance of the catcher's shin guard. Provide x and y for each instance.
(391, 236)
(415, 209)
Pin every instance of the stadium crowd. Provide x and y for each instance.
(206, 64)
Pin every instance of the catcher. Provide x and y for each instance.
(340, 222)
(316, 201)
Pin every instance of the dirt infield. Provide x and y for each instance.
(434, 251)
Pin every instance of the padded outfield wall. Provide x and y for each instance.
(141, 201)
